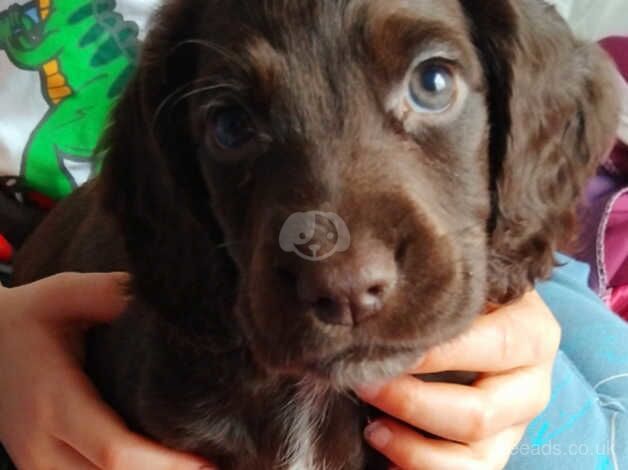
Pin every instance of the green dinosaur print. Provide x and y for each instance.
(85, 53)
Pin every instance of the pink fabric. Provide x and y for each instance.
(616, 242)
(618, 301)
(617, 46)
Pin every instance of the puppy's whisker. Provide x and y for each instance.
(180, 94)
(218, 86)
(167, 100)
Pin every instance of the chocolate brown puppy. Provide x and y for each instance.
(309, 194)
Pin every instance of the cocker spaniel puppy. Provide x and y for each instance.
(309, 194)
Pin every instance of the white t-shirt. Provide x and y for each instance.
(60, 72)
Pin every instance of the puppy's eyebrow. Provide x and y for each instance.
(266, 64)
(394, 37)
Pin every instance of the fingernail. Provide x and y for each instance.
(369, 392)
(121, 277)
(378, 435)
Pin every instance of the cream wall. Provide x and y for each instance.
(595, 19)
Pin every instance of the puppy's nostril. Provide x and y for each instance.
(350, 290)
(377, 291)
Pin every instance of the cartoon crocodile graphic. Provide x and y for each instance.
(85, 52)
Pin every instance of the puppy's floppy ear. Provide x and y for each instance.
(553, 112)
(151, 181)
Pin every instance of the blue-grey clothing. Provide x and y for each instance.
(585, 426)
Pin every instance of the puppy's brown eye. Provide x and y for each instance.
(232, 128)
(432, 87)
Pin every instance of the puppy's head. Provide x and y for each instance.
(358, 177)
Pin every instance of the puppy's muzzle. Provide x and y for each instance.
(347, 288)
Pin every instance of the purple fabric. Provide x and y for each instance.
(604, 238)
(600, 191)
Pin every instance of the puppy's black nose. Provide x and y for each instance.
(349, 289)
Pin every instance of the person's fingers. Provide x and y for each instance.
(88, 425)
(411, 450)
(63, 456)
(518, 335)
(147, 455)
(464, 413)
(42, 451)
(98, 297)
(497, 450)
(408, 449)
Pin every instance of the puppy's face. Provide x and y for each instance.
(345, 148)
(353, 153)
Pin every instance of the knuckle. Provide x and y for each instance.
(112, 457)
(480, 423)
(480, 460)
(416, 461)
(507, 344)
(406, 405)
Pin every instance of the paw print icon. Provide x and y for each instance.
(314, 235)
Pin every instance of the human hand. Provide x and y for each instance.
(50, 414)
(477, 426)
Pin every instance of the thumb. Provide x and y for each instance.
(98, 298)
